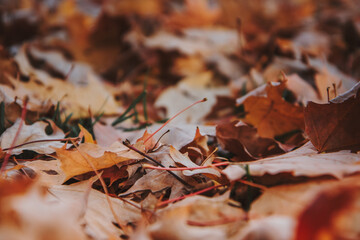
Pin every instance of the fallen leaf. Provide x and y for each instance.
(179, 135)
(187, 92)
(272, 115)
(276, 227)
(30, 133)
(319, 219)
(31, 215)
(335, 126)
(175, 222)
(94, 209)
(184, 160)
(304, 161)
(243, 141)
(198, 147)
(76, 162)
(49, 173)
(155, 181)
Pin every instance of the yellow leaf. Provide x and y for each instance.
(87, 135)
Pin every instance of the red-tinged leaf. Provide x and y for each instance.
(244, 142)
(317, 221)
(335, 126)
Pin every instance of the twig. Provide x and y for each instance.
(189, 195)
(156, 162)
(42, 140)
(186, 168)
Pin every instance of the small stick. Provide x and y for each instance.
(189, 195)
(8, 154)
(156, 162)
(42, 140)
(328, 93)
(186, 168)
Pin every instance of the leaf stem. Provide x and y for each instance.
(42, 140)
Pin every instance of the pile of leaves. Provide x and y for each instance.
(190, 119)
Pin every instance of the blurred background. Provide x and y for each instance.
(234, 43)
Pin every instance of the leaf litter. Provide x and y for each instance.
(106, 134)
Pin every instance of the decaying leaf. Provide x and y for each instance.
(272, 115)
(335, 126)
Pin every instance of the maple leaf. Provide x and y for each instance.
(272, 115)
(88, 157)
(335, 126)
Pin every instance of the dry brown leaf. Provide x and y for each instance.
(188, 91)
(76, 162)
(32, 215)
(276, 227)
(272, 115)
(180, 134)
(155, 181)
(243, 141)
(335, 126)
(184, 160)
(49, 173)
(93, 209)
(74, 94)
(31, 133)
(179, 220)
